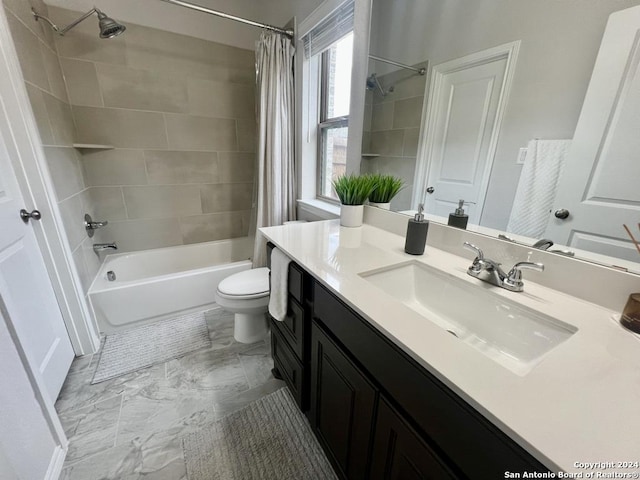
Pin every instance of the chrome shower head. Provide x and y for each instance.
(109, 28)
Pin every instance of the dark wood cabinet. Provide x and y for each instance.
(342, 406)
(400, 453)
(376, 412)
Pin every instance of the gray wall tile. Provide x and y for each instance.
(72, 211)
(388, 142)
(36, 98)
(82, 81)
(136, 89)
(216, 226)
(120, 128)
(201, 133)
(54, 73)
(133, 235)
(61, 120)
(107, 203)
(247, 134)
(170, 167)
(66, 171)
(28, 48)
(407, 113)
(221, 99)
(382, 116)
(162, 201)
(411, 139)
(114, 167)
(236, 167)
(226, 197)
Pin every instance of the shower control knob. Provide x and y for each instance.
(430, 190)
(562, 213)
(25, 216)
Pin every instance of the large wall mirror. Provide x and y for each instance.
(461, 97)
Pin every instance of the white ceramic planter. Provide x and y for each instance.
(351, 215)
(383, 206)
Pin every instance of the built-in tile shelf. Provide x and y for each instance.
(92, 146)
(370, 155)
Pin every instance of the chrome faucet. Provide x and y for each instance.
(489, 271)
(99, 247)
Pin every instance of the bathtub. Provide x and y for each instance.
(154, 284)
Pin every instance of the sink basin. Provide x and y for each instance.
(511, 334)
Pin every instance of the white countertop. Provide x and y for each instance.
(581, 403)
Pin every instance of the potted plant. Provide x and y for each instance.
(387, 187)
(353, 191)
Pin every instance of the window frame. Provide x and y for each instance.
(325, 124)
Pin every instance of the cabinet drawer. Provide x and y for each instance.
(289, 367)
(469, 440)
(296, 281)
(293, 328)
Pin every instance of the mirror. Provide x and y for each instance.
(554, 46)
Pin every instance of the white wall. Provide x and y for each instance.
(158, 14)
(560, 40)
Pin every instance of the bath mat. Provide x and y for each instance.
(268, 439)
(145, 346)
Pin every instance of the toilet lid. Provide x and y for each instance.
(249, 282)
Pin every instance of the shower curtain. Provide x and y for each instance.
(276, 179)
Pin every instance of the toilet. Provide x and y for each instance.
(246, 295)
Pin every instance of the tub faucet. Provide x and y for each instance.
(99, 247)
(490, 271)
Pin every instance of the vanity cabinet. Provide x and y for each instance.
(429, 432)
(342, 406)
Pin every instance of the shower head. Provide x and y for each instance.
(373, 83)
(109, 28)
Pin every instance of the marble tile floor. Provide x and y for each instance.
(131, 427)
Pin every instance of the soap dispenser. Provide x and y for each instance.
(416, 233)
(458, 218)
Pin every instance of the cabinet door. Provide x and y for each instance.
(399, 453)
(342, 402)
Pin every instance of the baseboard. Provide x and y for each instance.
(56, 464)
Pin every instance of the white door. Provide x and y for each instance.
(600, 186)
(466, 100)
(24, 284)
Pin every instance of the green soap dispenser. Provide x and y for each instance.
(458, 218)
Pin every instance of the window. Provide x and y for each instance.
(335, 94)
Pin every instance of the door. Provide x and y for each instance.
(399, 453)
(600, 187)
(466, 99)
(24, 284)
(342, 402)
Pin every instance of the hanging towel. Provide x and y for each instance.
(537, 187)
(279, 284)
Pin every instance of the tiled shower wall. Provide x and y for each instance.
(180, 114)
(392, 129)
(46, 88)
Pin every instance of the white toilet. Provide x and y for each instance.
(246, 294)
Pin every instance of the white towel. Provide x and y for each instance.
(537, 187)
(279, 284)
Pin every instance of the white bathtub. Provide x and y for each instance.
(155, 284)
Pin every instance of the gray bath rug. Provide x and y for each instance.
(145, 346)
(268, 439)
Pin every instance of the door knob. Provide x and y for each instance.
(25, 216)
(430, 190)
(561, 213)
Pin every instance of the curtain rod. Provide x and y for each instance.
(230, 17)
(421, 71)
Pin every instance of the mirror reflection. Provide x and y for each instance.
(496, 120)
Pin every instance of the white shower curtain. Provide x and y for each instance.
(276, 179)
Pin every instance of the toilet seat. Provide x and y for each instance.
(246, 285)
